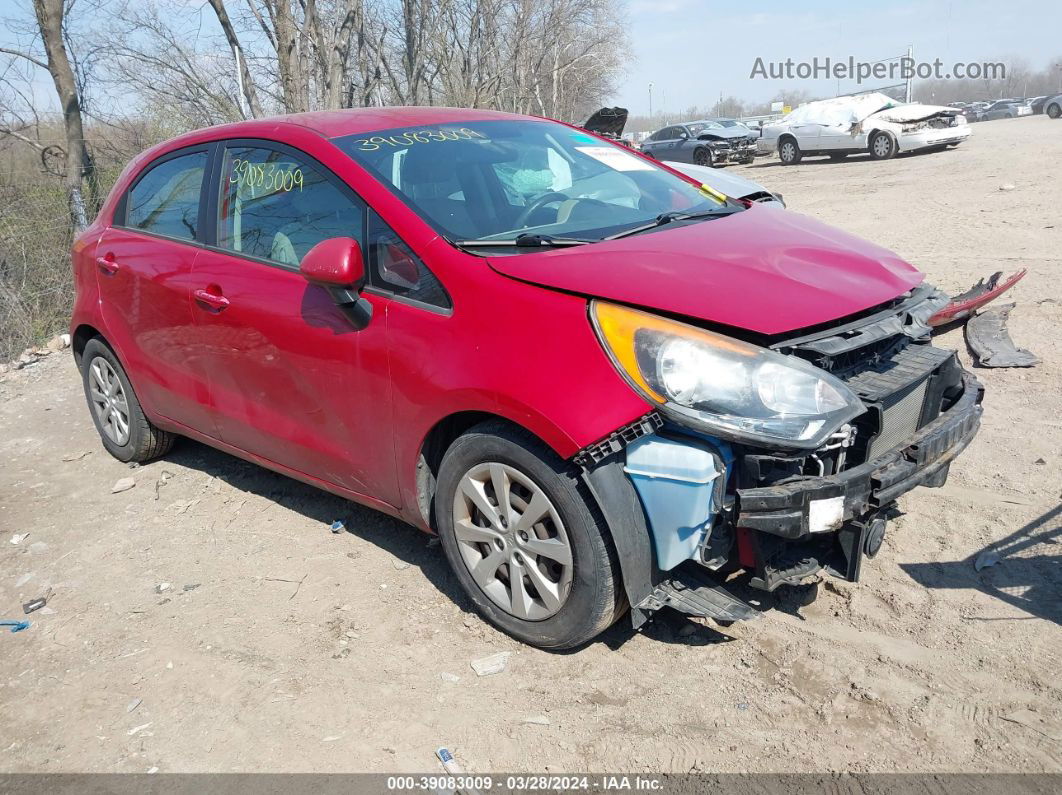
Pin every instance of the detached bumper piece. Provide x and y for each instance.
(988, 338)
(785, 510)
(962, 306)
(694, 594)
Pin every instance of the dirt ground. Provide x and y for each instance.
(280, 646)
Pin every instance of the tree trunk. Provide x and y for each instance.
(246, 83)
(78, 165)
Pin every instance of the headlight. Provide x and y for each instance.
(722, 385)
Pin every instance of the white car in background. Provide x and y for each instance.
(873, 123)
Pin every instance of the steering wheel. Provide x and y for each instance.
(537, 204)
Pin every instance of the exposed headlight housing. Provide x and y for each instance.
(721, 385)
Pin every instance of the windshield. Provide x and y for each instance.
(500, 179)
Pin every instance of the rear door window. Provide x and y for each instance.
(165, 200)
(276, 205)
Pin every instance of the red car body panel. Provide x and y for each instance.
(759, 270)
(283, 380)
(279, 377)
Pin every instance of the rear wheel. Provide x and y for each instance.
(789, 152)
(882, 146)
(124, 430)
(1054, 110)
(528, 547)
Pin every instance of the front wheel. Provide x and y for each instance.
(1054, 110)
(882, 146)
(703, 156)
(789, 152)
(525, 542)
(124, 430)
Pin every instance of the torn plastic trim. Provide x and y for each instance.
(988, 338)
(910, 318)
(962, 306)
(618, 439)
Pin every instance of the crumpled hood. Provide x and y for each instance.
(761, 269)
(904, 114)
(728, 133)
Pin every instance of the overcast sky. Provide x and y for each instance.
(694, 50)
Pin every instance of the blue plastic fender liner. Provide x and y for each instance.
(681, 480)
(676, 481)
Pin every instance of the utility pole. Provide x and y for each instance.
(650, 103)
(910, 65)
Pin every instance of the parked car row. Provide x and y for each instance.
(1010, 108)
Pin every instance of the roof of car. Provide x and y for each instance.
(333, 123)
(336, 123)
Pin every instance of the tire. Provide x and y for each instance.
(702, 156)
(882, 146)
(789, 151)
(107, 386)
(1053, 110)
(576, 602)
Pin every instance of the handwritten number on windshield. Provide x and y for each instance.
(417, 137)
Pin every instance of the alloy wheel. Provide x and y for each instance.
(513, 541)
(109, 401)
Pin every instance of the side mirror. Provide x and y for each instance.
(683, 136)
(337, 265)
(335, 262)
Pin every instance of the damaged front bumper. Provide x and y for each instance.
(809, 505)
(779, 527)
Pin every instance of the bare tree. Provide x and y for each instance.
(51, 18)
(246, 82)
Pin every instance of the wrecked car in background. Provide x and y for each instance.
(871, 123)
(706, 143)
(608, 123)
(600, 383)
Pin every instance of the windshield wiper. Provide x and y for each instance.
(667, 218)
(525, 240)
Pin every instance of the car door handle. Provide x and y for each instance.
(212, 300)
(107, 265)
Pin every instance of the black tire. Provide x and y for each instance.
(144, 441)
(882, 146)
(789, 151)
(595, 598)
(702, 156)
(1053, 110)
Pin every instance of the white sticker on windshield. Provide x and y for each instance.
(615, 158)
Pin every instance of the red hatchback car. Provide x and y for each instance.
(601, 383)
